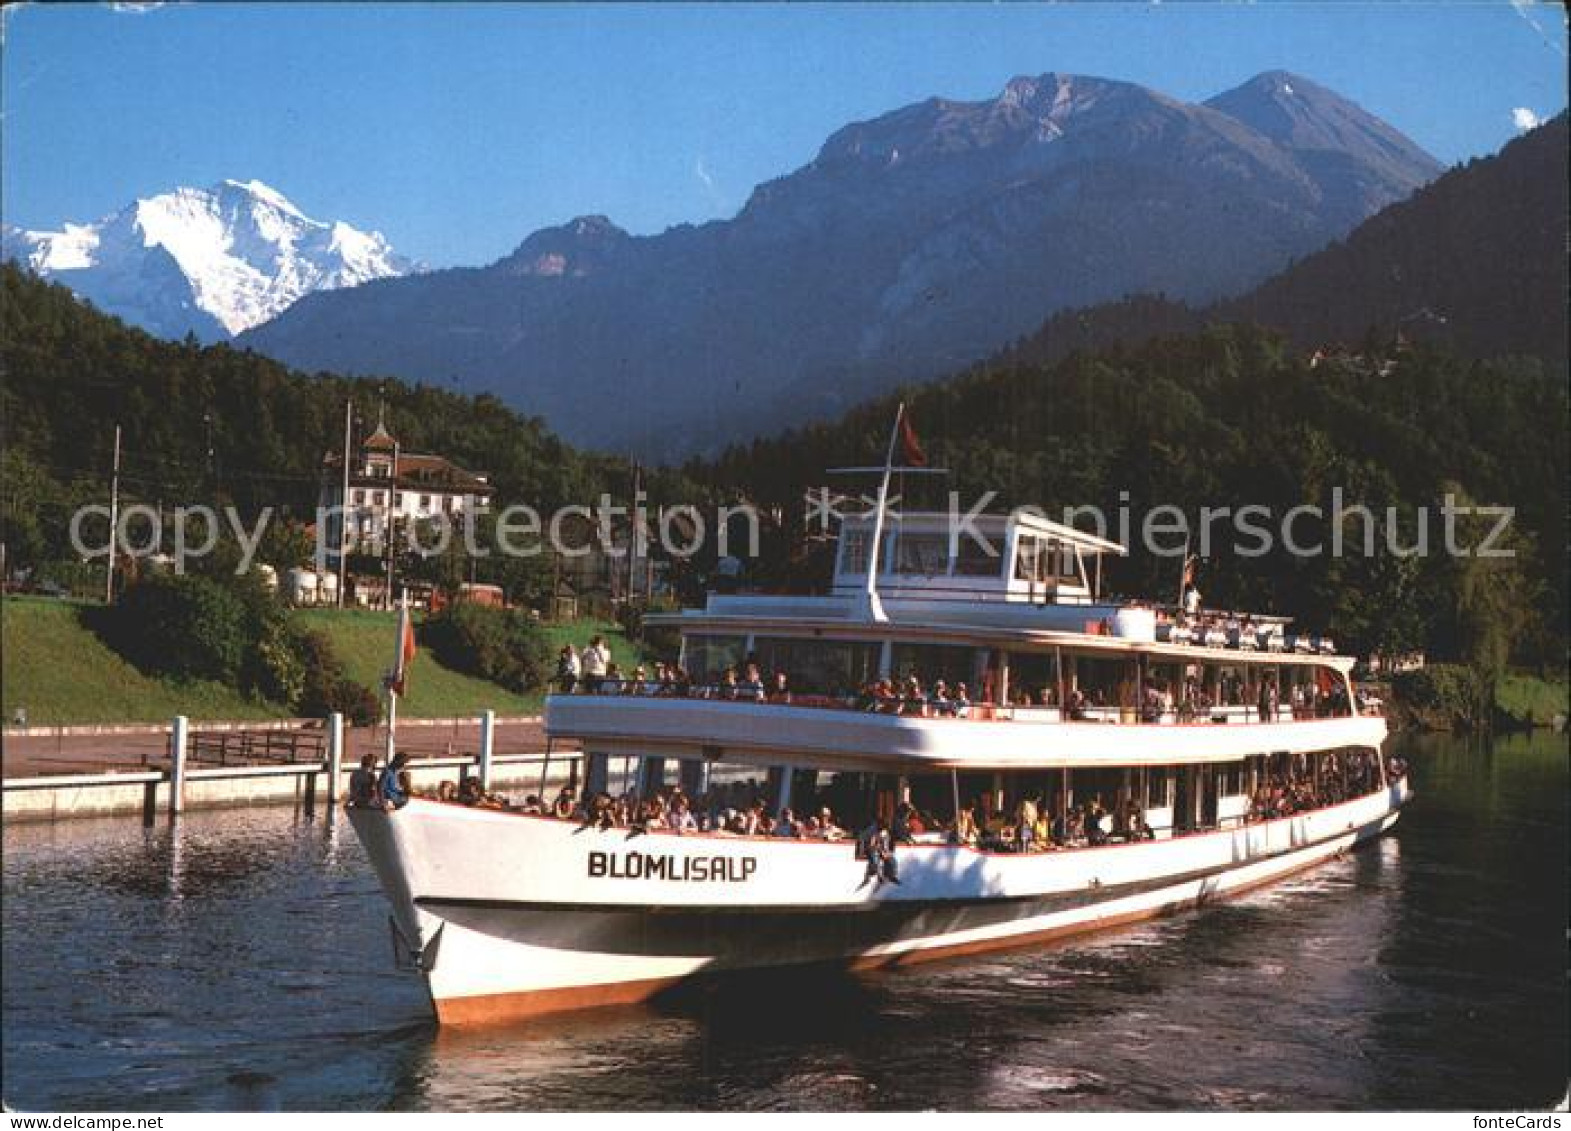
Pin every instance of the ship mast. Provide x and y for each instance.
(872, 606)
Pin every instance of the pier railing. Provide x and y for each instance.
(236, 766)
(250, 747)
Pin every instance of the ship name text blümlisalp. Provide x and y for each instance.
(681, 869)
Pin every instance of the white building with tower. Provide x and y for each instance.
(389, 487)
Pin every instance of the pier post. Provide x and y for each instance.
(177, 744)
(487, 747)
(335, 754)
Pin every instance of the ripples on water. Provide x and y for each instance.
(243, 961)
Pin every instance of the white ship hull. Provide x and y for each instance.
(511, 916)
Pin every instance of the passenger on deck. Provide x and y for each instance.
(394, 795)
(752, 686)
(1267, 703)
(612, 683)
(598, 812)
(938, 702)
(1134, 823)
(787, 825)
(362, 784)
(912, 701)
(961, 703)
(1025, 823)
(780, 688)
(595, 662)
(876, 846)
(565, 804)
(827, 829)
(567, 669)
(533, 806)
(681, 818)
(964, 830)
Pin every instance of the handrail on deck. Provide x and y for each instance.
(970, 710)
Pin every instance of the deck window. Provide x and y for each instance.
(1033, 678)
(707, 657)
(854, 545)
(1026, 555)
(972, 559)
(924, 555)
(819, 667)
(1046, 562)
(931, 662)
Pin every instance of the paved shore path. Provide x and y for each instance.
(88, 750)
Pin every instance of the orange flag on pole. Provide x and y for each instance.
(406, 650)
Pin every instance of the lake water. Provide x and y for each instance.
(242, 960)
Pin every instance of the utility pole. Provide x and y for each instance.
(114, 520)
(632, 535)
(393, 515)
(343, 505)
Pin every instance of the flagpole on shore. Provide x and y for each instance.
(392, 726)
(396, 677)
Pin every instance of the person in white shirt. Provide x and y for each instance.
(595, 661)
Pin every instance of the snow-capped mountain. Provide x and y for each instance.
(212, 262)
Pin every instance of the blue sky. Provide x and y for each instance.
(457, 130)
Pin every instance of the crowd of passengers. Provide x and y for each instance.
(1342, 778)
(738, 809)
(1034, 822)
(593, 672)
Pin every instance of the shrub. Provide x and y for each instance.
(1450, 695)
(660, 639)
(187, 627)
(274, 667)
(325, 687)
(504, 646)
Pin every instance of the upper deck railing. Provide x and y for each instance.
(969, 710)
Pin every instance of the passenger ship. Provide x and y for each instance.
(1077, 700)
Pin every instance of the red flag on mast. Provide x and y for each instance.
(910, 446)
(406, 650)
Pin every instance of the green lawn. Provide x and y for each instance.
(577, 633)
(364, 641)
(1529, 700)
(56, 669)
(60, 673)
